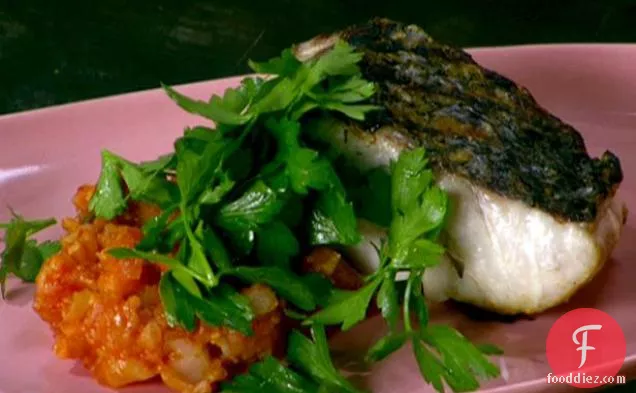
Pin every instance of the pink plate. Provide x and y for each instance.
(45, 154)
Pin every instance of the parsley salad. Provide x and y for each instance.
(241, 202)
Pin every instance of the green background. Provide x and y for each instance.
(54, 52)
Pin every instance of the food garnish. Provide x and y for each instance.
(242, 200)
(23, 256)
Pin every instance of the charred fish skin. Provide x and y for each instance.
(533, 217)
(475, 123)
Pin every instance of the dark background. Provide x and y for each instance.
(53, 52)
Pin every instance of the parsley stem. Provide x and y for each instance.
(407, 304)
(246, 132)
(202, 266)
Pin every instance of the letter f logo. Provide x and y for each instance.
(583, 344)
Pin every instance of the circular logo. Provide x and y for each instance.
(585, 348)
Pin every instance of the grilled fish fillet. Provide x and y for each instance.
(534, 217)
